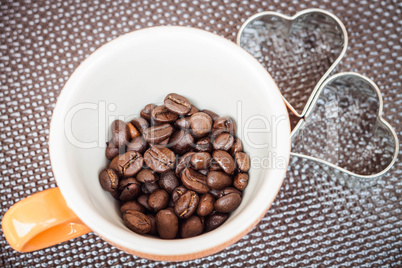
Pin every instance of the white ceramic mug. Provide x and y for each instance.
(119, 79)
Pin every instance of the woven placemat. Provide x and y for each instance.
(314, 221)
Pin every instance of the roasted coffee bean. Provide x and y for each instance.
(177, 104)
(192, 111)
(203, 171)
(226, 123)
(206, 205)
(146, 112)
(215, 193)
(177, 192)
(149, 187)
(143, 200)
(111, 150)
(225, 161)
(241, 181)
(153, 230)
(214, 221)
(183, 123)
(137, 221)
(200, 160)
(156, 134)
(223, 142)
(132, 205)
(115, 194)
(134, 132)
(168, 181)
(159, 158)
(138, 144)
(218, 180)
(190, 227)
(140, 123)
(237, 146)
(186, 205)
(214, 166)
(227, 203)
(204, 145)
(129, 163)
(129, 188)
(229, 190)
(164, 142)
(216, 132)
(158, 200)
(108, 179)
(162, 115)
(201, 124)
(167, 224)
(184, 162)
(147, 175)
(242, 161)
(213, 115)
(194, 180)
(181, 141)
(120, 133)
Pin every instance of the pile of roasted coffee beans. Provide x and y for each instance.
(177, 171)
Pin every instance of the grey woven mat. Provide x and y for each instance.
(314, 221)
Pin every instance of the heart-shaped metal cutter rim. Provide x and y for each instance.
(380, 118)
(292, 18)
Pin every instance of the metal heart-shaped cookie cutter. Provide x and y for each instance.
(343, 113)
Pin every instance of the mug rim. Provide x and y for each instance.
(90, 218)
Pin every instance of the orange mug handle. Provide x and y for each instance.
(40, 221)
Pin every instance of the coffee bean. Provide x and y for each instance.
(147, 175)
(183, 123)
(215, 193)
(140, 123)
(240, 181)
(227, 203)
(137, 221)
(237, 146)
(192, 111)
(120, 133)
(214, 221)
(149, 187)
(201, 160)
(129, 163)
(133, 131)
(242, 161)
(229, 190)
(181, 141)
(177, 192)
(177, 104)
(129, 188)
(194, 180)
(146, 112)
(223, 142)
(143, 200)
(132, 205)
(225, 161)
(186, 205)
(206, 205)
(111, 150)
(109, 180)
(218, 180)
(214, 166)
(190, 227)
(168, 181)
(203, 171)
(138, 144)
(162, 115)
(159, 158)
(152, 219)
(156, 134)
(158, 200)
(226, 123)
(201, 124)
(184, 162)
(204, 145)
(213, 115)
(164, 142)
(167, 224)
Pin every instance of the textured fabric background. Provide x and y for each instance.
(314, 221)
